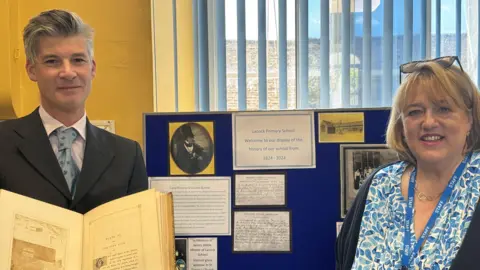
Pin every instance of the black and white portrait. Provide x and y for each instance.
(357, 163)
(191, 148)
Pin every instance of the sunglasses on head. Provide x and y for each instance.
(444, 61)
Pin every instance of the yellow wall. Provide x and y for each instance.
(8, 78)
(123, 88)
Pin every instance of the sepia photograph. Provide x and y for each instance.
(98, 263)
(341, 127)
(181, 254)
(38, 245)
(191, 148)
(357, 162)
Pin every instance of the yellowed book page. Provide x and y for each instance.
(167, 237)
(37, 235)
(162, 239)
(123, 234)
(170, 231)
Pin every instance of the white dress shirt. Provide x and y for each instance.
(78, 146)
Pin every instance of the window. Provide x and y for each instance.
(285, 54)
(250, 49)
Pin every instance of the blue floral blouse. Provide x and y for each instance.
(380, 241)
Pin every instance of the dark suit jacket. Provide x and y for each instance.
(113, 166)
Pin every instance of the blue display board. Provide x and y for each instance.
(313, 195)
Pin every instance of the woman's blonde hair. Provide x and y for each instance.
(439, 83)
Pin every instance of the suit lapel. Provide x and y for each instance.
(98, 155)
(37, 150)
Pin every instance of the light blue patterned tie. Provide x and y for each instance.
(65, 158)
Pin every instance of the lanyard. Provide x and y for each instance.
(409, 249)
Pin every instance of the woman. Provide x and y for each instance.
(419, 213)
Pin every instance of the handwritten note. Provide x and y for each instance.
(201, 204)
(273, 140)
(202, 253)
(260, 189)
(256, 231)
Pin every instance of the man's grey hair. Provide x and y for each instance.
(55, 23)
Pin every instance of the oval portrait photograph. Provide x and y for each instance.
(191, 148)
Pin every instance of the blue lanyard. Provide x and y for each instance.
(409, 249)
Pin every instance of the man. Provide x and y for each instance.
(190, 155)
(55, 154)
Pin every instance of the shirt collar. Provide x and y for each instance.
(52, 124)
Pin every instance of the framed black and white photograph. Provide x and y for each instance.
(191, 148)
(357, 162)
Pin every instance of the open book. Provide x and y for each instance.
(134, 232)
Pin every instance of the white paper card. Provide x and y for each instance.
(339, 227)
(202, 254)
(273, 140)
(108, 125)
(260, 189)
(201, 204)
(257, 231)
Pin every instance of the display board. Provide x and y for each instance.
(306, 202)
